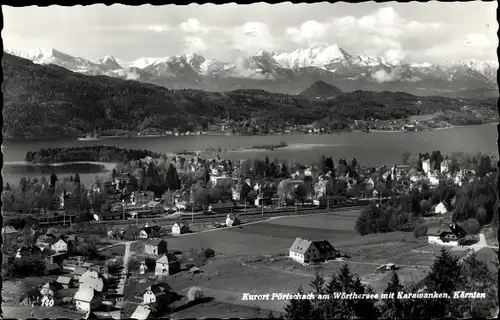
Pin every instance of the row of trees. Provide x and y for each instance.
(447, 275)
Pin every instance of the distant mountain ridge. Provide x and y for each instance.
(48, 101)
(285, 72)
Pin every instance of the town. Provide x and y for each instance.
(138, 242)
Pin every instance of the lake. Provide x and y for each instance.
(375, 148)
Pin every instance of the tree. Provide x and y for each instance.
(53, 180)
(482, 215)
(318, 288)
(476, 277)
(393, 308)
(329, 164)
(322, 164)
(444, 277)
(405, 157)
(113, 174)
(346, 282)
(299, 309)
(172, 178)
(472, 226)
(195, 294)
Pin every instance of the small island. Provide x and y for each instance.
(87, 154)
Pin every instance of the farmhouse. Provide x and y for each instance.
(168, 264)
(87, 299)
(155, 247)
(50, 288)
(304, 251)
(179, 228)
(442, 237)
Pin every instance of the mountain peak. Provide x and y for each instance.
(321, 89)
(109, 62)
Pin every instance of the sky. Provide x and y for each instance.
(435, 32)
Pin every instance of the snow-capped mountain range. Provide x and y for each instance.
(280, 71)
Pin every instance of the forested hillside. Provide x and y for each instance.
(52, 102)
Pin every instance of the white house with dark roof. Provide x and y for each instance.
(155, 247)
(87, 299)
(179, 228)
(166, 265)
(59, 245)
(305, 251)
(442, 236)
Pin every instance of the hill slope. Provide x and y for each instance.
(321, 89)
(47, 101)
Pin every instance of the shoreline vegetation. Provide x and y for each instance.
(270, 147)
(99, 153)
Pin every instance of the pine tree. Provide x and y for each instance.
(318, 288)
(444, 277)
(345, 282)
(298, 309)
(393, 308)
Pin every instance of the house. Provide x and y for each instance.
(65, 281)
(108, 215)
(94, 280)
(168, 264)
(44, 241)
(232, 220)
(155, 247)
(157, 293)
(226, 207)
(445, 166)
(52, 268)
(426, 165)
(305, 251)
(155, 207)
(9, 232)
(441, 208)
(442, 237)
(150, 232)
(79, 271)
(87, 299)
(59, 245)
(141, 197)
(179, 228)
(143, 312)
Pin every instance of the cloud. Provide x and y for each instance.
(383, 76)
(194, 44)
(158, 28)
(308, 32)
(472, 44)
(194, 26)
(383, 32)
(251, 37)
